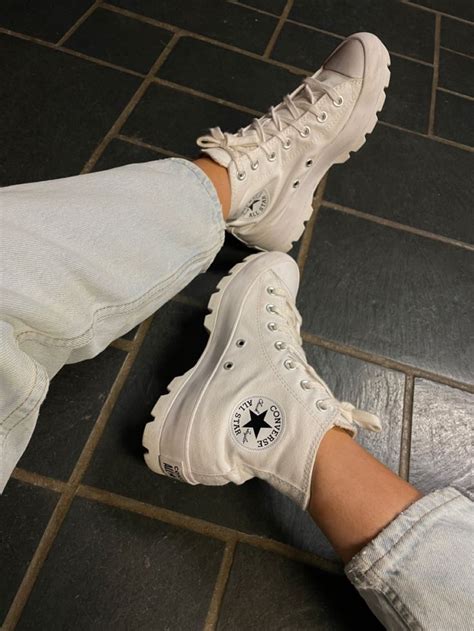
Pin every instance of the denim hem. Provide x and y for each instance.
(390, 536)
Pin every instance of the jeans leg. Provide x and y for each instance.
(418, 572)
(83, 260)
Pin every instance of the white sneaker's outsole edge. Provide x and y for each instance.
(343, 157)
(153, 430)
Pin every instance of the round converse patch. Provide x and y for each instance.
(257, 423)
(257, 205)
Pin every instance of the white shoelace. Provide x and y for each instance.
(287, 113)
(291, 320)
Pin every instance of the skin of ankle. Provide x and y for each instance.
(219, 177)
(353, 495)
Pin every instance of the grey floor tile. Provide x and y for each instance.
(391, 293)
(119, 40)
(457, 35)
(303, 47)
(370, 388)
(273, 6)
(67, 416)
(119, 153)
(454, 118)
(24, 514)
(47, 19)
(158, 119)
(109, 568)
(229, 23)
(408, 96)
(402, 28)
(456, 72)
(227, 75)
(296, 596)
(441, 446)
(45, 135)
(173, 345)
(410, 180)
(460, 8)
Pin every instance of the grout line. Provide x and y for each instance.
(308, 233)
(37, 561)
(249, 6)
(146, 145)
(460, 94)
(385, 362)
(202, 527)
(68, 51)
(436, 12)
(439, 139)
(398, 226)
(405, 442)
(78, 23)
(310, 27)
(36, 479)
(96, 433)
(122, 344)
(65, 501)
(431, 119)
(220, 587)
(208, 97)
(203, 38)
(188, 300)
(141, 18)
(457, 52)
(116, 127)
(277, 31)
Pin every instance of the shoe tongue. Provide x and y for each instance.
(218, 155)
(331, 77)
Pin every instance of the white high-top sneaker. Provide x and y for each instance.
(276, 163)
(251, 406)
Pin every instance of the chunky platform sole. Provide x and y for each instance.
(349, 140)
(166, 438)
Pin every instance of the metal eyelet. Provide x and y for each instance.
(271, 309)
(271, 326)
(338, 102)
(287, 144)
(280, 346)
(322, 118)
(240, 343)
(241, 175)
(308, 163)
(272, 157)
(228, 365)
(305, 384)
(305, 132)
(254, 165)
(289, 365)
(322, 407)
(296, 183)
(271, 290)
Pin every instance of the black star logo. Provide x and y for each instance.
(257, 422)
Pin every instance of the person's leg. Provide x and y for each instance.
(411, 558)
(353, 495)
(253, 407)
(83, 260)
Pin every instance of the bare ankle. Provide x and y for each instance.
(219, 176)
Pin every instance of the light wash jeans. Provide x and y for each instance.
(84, 259)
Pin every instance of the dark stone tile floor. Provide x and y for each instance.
(386, 299)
